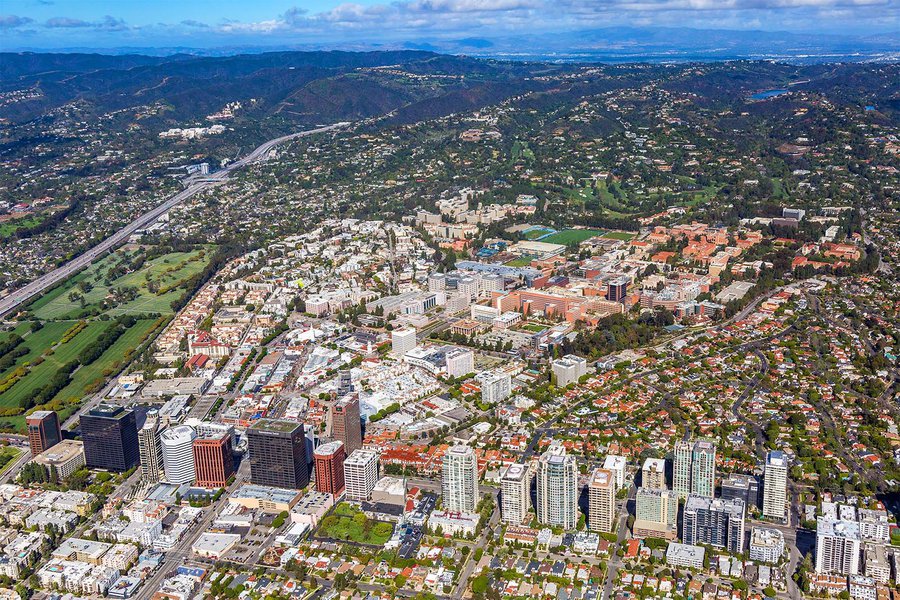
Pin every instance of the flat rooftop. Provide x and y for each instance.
(515, 472)
(262, 492)
(62, 452)
(275, 425)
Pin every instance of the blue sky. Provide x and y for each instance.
(205, 23)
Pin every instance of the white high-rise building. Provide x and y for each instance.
(568, 369)
(837, 546)
(178, 454)
(557, 488)
(360, 474)
(719, 523)
(495, 386)
(150, 449)
(775, 486)
(602, 500)
(459, 361)
(766, 545)
(653, 474)
(874, 525)
(490, 282)
(467, 287)
(459, 481)
(616, 464)
(515, 494)
(437, 282)
(403, 340)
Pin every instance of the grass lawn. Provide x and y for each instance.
(38, 341)
(7, 228)
(619, 235)
(581, 196)
(572, 236)
(39, 375)
(157, 283)
(169, 272)
(520, 149)
(93, 373)
(349, 524)
(519, 262)
(533, 327)
(8, 456)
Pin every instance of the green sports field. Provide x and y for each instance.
(625, 236)
(572, 236)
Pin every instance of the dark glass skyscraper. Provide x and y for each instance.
(110, 438)
(278, 454)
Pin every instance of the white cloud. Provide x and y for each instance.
(12, 21)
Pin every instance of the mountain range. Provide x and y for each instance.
(611, 44)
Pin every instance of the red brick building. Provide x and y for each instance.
(329, 459)
(213, 461)
(43, 430)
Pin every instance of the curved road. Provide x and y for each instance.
(22, 295)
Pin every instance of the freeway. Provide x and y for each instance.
(42, 283)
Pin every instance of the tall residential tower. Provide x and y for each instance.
(459, 481)
(557, 488)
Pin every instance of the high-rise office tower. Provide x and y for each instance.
(213, 459)
(703, 469)
(557, 488)
(656, 513)
(653, 474)
(719, 523)
(515, 493)
(277, 451)
(602, 500)
(681, 468)
(360, 474)
(775, 486)
(459, 479)
(329, 464)
(178, 454)
(150, 449)
(43, 430)
(110, 438)
(346, 425)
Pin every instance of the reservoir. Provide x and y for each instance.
(767, 94)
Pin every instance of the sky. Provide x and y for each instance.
(49, 24)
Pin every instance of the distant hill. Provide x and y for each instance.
(300, 86)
